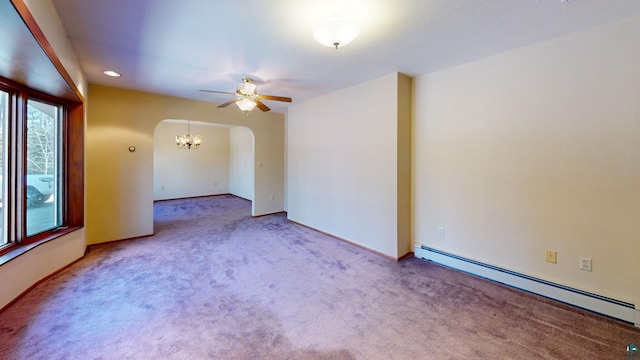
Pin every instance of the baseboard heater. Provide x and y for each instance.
(597, 303)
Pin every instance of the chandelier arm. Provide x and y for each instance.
(188, 141)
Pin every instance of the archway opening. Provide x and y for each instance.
(223, 164)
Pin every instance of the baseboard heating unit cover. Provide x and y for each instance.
(601, 304)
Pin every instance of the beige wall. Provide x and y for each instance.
(342, 165)
(535, 149)
(241, 162)
(529, 150)
(404, 164)
(22, 272)
(47, 18)
(120, 184)
(181, 173)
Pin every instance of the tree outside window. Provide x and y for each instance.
(43, 144)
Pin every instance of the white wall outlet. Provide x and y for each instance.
(440, 231)
(584, 264)
(162, 187)
(272, 197)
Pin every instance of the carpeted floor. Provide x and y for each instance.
(215, 283)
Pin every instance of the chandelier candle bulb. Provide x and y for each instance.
(188, 141)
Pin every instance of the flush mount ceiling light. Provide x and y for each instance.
(336, 32)
(111, 73)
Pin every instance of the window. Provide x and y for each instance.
(37, 172)
(43, 167)
(4, 117)
(42, 121)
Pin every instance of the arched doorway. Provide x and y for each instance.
(223, 164)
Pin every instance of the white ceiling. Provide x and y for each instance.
(177, 47)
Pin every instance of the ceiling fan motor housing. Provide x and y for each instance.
(247, 88)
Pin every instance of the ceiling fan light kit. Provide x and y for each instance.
(247, 97)
(336, 33)
(246, 104)
(247, 91)
(247, 88)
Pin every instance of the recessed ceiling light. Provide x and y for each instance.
(111, 73)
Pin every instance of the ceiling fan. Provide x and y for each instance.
(247, 97)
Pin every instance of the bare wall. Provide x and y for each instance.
(537, 149)
(241, 162)
(342, 165)
(120, 183)
(181, 173)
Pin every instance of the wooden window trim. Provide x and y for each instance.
(73, 160)
(73, 163)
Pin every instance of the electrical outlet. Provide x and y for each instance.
(585, 264)
(440, 231)
(551, 256)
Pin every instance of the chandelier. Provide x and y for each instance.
(188, 141)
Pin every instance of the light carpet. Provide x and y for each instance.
(215, 283)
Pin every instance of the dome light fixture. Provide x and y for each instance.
(336, 32)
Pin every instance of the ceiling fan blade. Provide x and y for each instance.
(218, 92)
(228, 103)
(262, 106)
(273, 97)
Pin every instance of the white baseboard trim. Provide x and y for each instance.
(597, 303)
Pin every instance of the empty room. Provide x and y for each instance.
(356, 179)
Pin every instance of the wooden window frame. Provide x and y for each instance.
(72, 167)
(36, 56)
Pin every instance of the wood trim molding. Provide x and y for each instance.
(353, 243)
(90, 246)
(13, 250)
(267, 214)
(38, 34)
(200, 196)
(74, 103)
(26, 291)
(74, 162)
